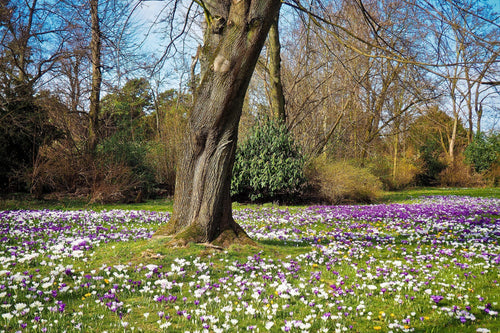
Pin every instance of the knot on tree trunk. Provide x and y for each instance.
(218, 24)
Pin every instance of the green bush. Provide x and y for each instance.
(342, 182)
(268, 165)
(431, 164)
(483, 151)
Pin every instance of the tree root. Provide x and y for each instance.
(233, 234)
(149, 254)
(211, 246)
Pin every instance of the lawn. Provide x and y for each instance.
(427, 264)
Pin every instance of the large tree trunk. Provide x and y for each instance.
(235, 33)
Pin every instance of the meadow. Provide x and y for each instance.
(426, 264)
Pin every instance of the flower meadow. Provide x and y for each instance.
(428, 266)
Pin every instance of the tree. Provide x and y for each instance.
(277, 96)
(96, 48)
(463, 36)
(235, 33)
(95, 92)
(24, 60)
(124, 110)
(483, 151)
(431, 135)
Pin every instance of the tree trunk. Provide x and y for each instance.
(234, 36)
(479, 113)
(277, 97)
(453, 138)
(395, 159)
(95, 47)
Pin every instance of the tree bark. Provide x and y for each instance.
(277, 97)
(234, 36)
(95, 47)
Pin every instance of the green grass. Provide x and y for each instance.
(411, 194)
(24, 201)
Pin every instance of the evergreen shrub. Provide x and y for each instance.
(268, 165)
(483, 151)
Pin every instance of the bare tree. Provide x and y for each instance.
(25, 60)
(277, 96)
(463, 36)
(95, 47)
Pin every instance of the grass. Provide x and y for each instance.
(426, 266)
(412, 194)
(24, 201)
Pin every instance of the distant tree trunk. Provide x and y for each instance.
(235, 33)
(479, 113)
(277, 97)
(453, 138)
(95, 47)
(395, 158)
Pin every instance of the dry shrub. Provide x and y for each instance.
(459, 174)
(342, 182)
(115, 183)
(492, 176)
(406, 172)
(61, 171)
(58, 168)
(161, 157)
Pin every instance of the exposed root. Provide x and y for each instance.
(211, 246)
(234, 235)
(155, 236)
(149, 254)
(193, 234)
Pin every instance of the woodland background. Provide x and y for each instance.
(356, 119)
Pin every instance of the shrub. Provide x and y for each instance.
(268, 165)
(483, 151)
(118, 152)
(161, 159)
(431, 164)
(59, 167)
(492, 176)
(339, 182)
(459, 174)
(115, 182)
(406, 172)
